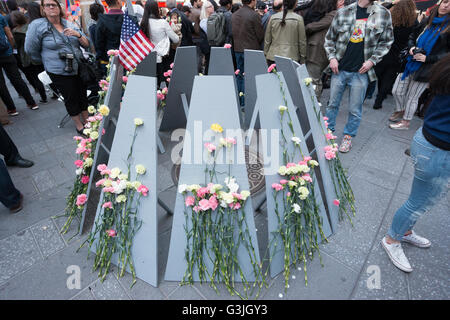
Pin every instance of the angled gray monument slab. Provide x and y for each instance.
(221, 64)
(212, 102)
(318, 130)
(139, 101)
(181, 81)
(101, 154)
(287, 67)
(147, 67)
(255, 64)
(269, 98)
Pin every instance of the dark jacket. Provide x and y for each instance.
(107, 34)
(315, 34)
(186, 29)
(436, 125)
(247, 29)
(92, 28)
(440, 49)
(19, 38)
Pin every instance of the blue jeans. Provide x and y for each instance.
(240, 78)
(431, 178)
(9, 195)
(358, 86)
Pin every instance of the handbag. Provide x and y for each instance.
(87, 70)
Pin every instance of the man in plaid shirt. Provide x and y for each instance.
(359, 36)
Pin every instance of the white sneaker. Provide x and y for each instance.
(417, 240)
(397, 256)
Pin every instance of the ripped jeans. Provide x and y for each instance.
(430, 184)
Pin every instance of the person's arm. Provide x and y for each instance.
(433, 58)
(9, 36)
(259, 30)
(302, 41)
(330, 39)
(100, 40)
(84, 41)
(170, 33)
(33, 43)
(384, 42)
(268, 38)
(322, 24)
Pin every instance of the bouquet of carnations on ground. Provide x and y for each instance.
(216, 229)
(299, 221)
(85, 146)
(119, 221)
(344, 192)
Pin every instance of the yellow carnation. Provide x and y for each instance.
(104, 110)
(216, 127)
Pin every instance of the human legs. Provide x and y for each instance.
(31, 72)
(337, 89)
(431, 178)
(7, 147)
(9, 64)
(9, 196)
(358, 88)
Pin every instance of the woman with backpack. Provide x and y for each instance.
(427, 44)
(160, 34)
(285, 35)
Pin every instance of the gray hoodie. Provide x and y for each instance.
(43, 44)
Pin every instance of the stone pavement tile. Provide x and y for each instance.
(72, 233)
(41, 162)
(48, 279)
(415, 124)
(110, 289)
(60, 141)
(141, 290)
(350, 245)
(86, 294)
(25, 185)
(387, 155)
(223, 294)
(18, 253)
(26, 152)
(47, 237)
(36, 208)
(44, 180)
(185, 293)
(376, 176)
(62, 175)
(332, 281)
(39, 147)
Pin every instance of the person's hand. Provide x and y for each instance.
(334, 66)
(411, 51)
(70, 32)
(420, 57)
(366, 66)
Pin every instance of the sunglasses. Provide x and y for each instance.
(50, 5)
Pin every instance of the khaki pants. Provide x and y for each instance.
(4, 118)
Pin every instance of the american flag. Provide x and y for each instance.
(134, 45)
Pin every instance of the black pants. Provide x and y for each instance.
(12, 71)
(73, 91)
(386, 73)
(9, 195)
(31, 73)
(7, 147)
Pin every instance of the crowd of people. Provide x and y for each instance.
(359, 44)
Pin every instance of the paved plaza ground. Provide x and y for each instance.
(34, 257)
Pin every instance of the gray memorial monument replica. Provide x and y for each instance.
(213, 101)
(139, 101)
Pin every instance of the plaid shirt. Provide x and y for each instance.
(378, 39)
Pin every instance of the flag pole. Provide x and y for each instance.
(130, 8)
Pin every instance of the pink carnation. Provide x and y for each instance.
(210, 147)
(325, 118)
(107, 205)
(307, 159)
(143, 190)
(336, 202)
(330, 155)
(77, 138)
(290, 164)
(227, 46)
(108, 189)
(99, 182)
(107, 171)
(213, 203)
(85, 180)
(112, 233)
(81, 199)
(237, 196)
(189, 202)
(204, 205)
(230, 140)
(277, 186)
(303, 163)
(171, 65)
(307, 177)
(330, 136)
(102, 167)
(237, 71)
(78, 163)
(235, 206)
(271, 67)
(288, 194)
(202, 192)
(125, 79)
(283, 181)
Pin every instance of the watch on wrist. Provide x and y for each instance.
(80, 36)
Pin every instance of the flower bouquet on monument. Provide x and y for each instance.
(216, 227)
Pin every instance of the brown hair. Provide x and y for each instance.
(440, 81)
(62, 14)
(404, 13)
(434, 14)
(18, 18)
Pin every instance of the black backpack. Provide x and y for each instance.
(216, 29)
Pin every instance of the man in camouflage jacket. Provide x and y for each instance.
(358, 38)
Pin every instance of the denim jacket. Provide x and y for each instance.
(43, 44)
(378, 39)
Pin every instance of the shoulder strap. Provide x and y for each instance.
(65, 40)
